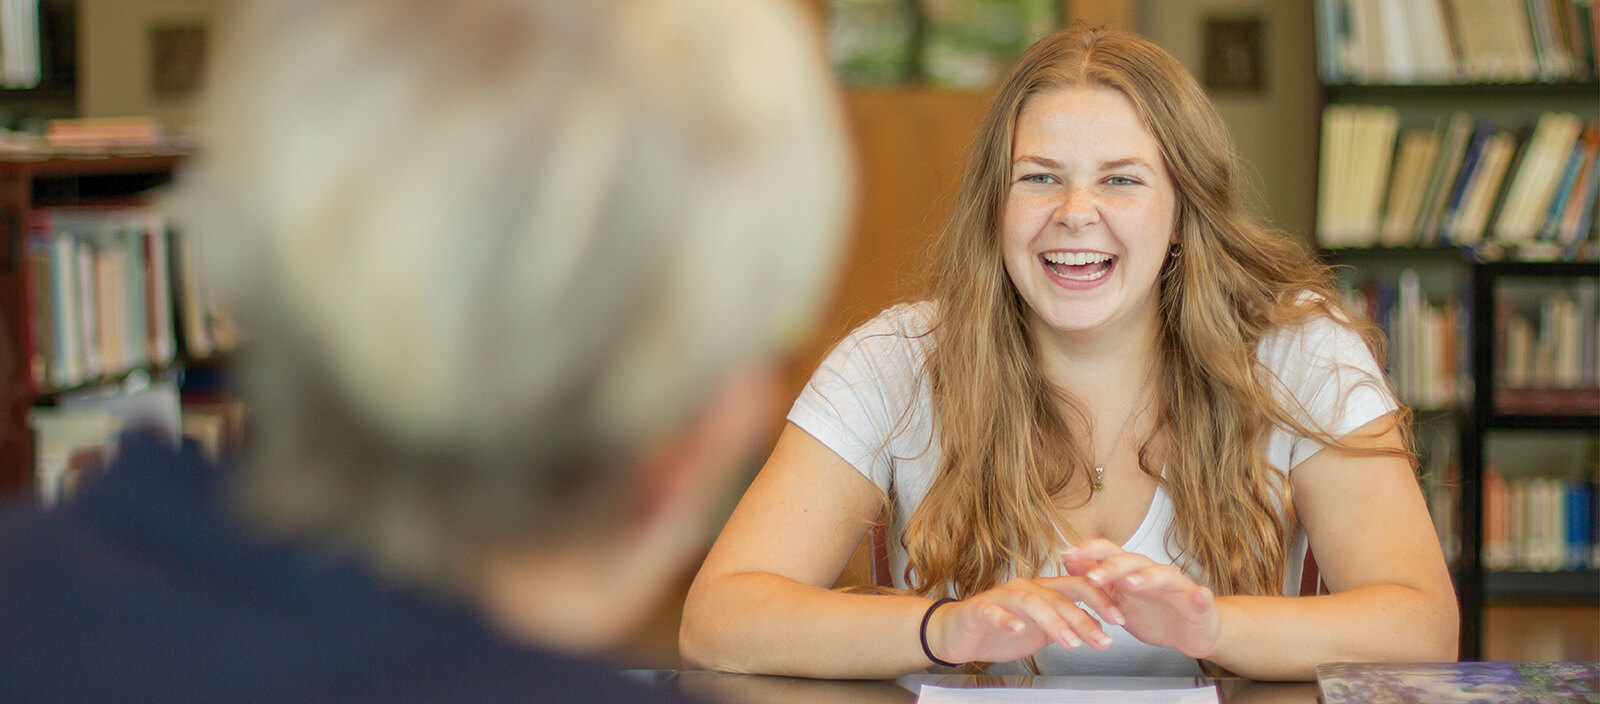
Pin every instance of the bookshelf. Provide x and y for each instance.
(100, 302)
(1539, 419)
(1506, 244)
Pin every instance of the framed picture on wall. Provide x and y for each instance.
(1233, 55)
(955, 44)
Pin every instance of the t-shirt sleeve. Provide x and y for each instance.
(864, 393)
(1328, 380)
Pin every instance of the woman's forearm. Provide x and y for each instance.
(759, 622)
(1285, 638)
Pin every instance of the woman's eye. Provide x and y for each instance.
(1121, 181)
(1038, 178)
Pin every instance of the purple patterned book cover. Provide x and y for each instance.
(1460, 683)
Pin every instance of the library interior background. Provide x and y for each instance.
(1441, 153)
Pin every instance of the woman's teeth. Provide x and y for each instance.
(1079, 266)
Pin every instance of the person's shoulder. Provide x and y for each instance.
(907, 321)
(1323, 330)
(898, 337)
(30, 538)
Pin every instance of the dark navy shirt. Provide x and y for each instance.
(143, 589)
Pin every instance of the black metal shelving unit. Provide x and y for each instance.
(1478, 585)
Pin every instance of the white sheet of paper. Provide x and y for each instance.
(930, 694)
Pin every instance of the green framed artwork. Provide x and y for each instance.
(955, 44)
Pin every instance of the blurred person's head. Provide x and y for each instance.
(513, 272)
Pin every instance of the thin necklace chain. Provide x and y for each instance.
(1100, 468)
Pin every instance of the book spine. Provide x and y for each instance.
(1549, 224)
(136, 339)
(1329, 175)
(1469, 171)
(1587, 291)
(1453, 146)
(69, 326)
(163, 346)
(1585, 221)
(1587, 25)
(40, 303)
(1566, 227)
(1579, 499)
(89, 311)
(1496, 549)
(1330, 23)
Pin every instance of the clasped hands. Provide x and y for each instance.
(1156, 603)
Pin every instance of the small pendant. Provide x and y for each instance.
(1099, 478)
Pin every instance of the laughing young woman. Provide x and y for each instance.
(1104, 440)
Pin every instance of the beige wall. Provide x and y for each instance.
(1275, 129)
(114, 56)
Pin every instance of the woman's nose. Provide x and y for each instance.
(1076, 209)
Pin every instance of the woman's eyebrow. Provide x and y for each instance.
(1125, 163)
(1110, 165)
(1041, 161)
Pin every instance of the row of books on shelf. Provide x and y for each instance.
(1551, 340)
(1547, 353)
(1463, 181)
(133, 135)
(1455, 41)
(111, 290)
(76, 437)
(1427, 355)
(1539, 524)
(21, 63)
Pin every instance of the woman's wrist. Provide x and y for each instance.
(927, 626)
(1229, 616)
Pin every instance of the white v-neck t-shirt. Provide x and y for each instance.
(869, 402)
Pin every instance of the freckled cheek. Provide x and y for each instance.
(1023, 218)
(1016, 247)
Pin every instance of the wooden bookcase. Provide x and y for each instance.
(26, 183)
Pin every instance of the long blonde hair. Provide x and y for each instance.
(1009, 450)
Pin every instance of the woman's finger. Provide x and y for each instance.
(1072, 621)
(1086, 595)
(1155, 578)
(1002, 619)
(1054, 620)
(1115, 569)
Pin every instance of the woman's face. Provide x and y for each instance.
(1089, 215)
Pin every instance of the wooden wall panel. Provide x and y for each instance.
(16, 394)
(1116, 14)
(910, 148)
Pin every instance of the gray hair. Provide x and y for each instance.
(487, 248)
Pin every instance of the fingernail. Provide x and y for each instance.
(1070, 551)
(1116, 615)
(1135, 580)
(1016, 626)
(1101, 638)
(1071, 639)
(1097, 574)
